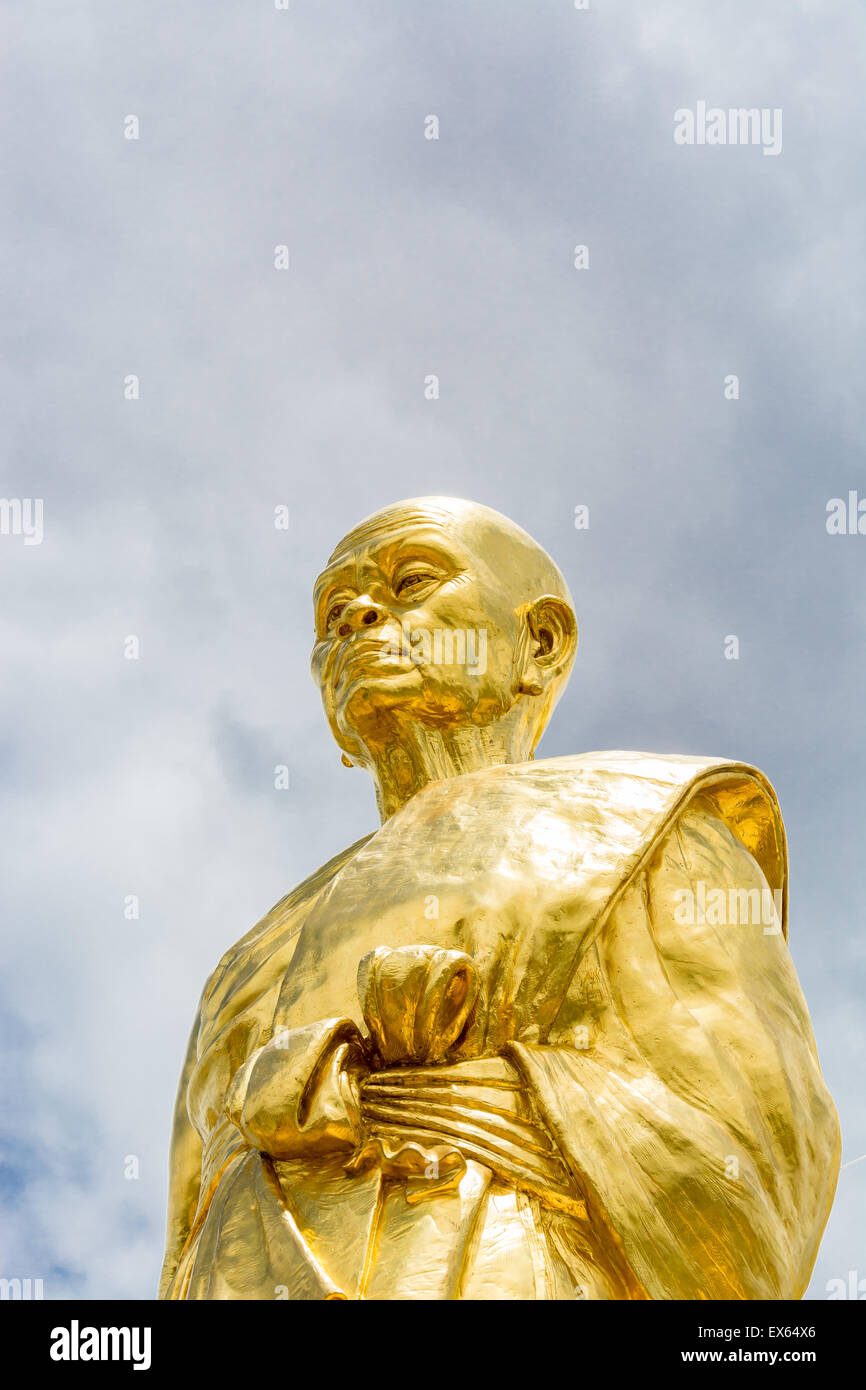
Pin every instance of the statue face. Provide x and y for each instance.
(416, 621)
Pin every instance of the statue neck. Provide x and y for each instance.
(418, 755)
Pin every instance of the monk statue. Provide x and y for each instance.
(539, 1035)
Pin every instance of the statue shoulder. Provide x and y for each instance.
(657, 791)
(676, 769)
(623, 773)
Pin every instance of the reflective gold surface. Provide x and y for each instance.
(538, 1036)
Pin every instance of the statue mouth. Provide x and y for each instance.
(364, 651)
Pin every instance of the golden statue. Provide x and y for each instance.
(539, 1035)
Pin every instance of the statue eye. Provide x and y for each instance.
(410, 581)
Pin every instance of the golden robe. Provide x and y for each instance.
(504, 1048)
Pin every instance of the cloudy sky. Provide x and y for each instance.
(258, 387)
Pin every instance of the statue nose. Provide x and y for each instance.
(358, 615)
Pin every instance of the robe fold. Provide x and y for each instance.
(576, 1061)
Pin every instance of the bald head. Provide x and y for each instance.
(506, 547)
(458, 577)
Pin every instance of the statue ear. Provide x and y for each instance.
(553, 627)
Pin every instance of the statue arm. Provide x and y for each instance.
(299, 1093)
(297, 1096)
(184, 1172)
(683, 1085)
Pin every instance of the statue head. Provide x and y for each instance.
(444, 637)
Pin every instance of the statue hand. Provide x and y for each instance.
(416, 1001)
